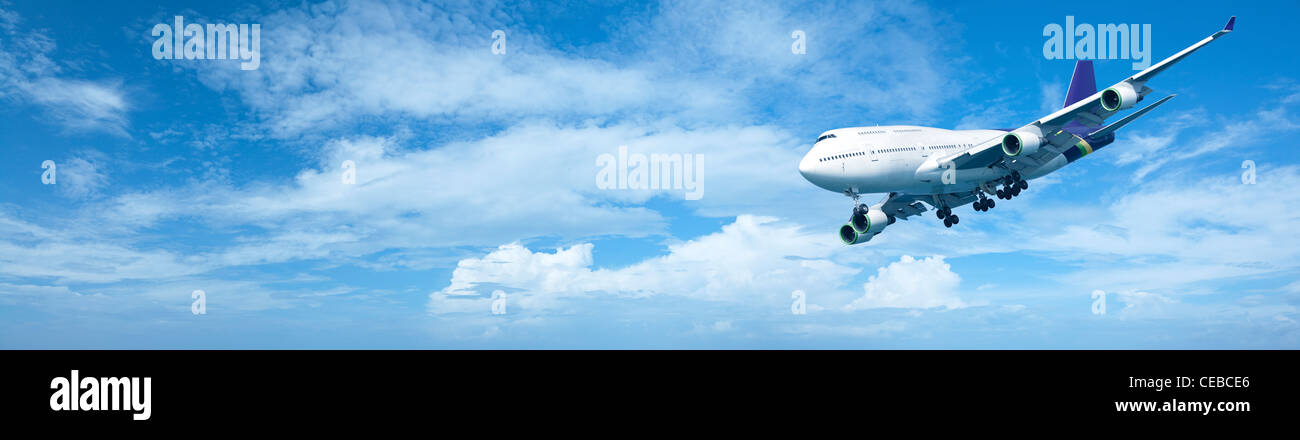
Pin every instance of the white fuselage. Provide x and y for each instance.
(902, 159)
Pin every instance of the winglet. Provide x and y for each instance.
(1231, 22)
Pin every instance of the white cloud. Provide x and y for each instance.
(67, 258)
(81, 176)
(331, 65)
(536, 179)
(27, 73)
(886, 328)
(1177, 232)
(336, 62)
(1155, 152)
(1145, 304)
(753, 260)
(911, 283)
(1139, 146)
(1053, 96)
(81, 105)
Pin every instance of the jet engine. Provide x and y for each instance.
(1024, 141)
(864, 224)
(1120, 97)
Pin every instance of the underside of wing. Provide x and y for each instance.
(901, 206)
(979, 156)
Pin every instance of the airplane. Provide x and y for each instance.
(946, 169)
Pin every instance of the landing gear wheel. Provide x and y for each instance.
(947, 222)
(939, 213)
(1015, 191)
(955, 219)
(1002, 194)
(1022, 185)
(979, 206)
(990, 204)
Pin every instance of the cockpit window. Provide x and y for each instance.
(824, 137)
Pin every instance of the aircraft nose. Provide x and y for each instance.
(806, 167)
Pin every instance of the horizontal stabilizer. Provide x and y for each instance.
(1127, 119)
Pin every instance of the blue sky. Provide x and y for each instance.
(475, 172)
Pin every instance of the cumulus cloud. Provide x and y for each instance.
(911, 283)
(756, 260)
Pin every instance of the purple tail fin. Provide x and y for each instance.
(1083, 84)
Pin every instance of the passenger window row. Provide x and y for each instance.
(842, 156)
(887, 150)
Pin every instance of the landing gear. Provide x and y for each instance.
(945, 213)
(1011, 186)
(984, 203)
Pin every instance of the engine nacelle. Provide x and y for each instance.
(863, 225)
(1120, 97)
(850, 236)
(1025, 141)
(872, 221)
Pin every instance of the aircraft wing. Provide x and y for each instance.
(1090, 111)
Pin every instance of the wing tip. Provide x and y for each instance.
(1231, 22)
